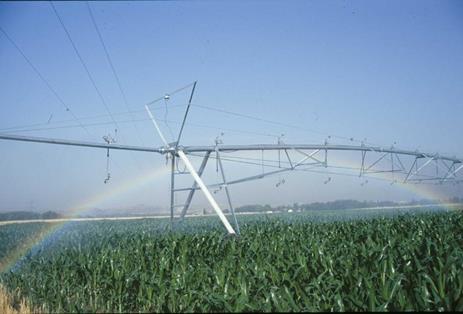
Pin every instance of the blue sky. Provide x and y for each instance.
(387, 71)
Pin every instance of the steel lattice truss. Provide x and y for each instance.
(403, 166)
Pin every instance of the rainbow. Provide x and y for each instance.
(12, 259)
(426, 191)
(52, 227)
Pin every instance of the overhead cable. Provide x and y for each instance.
(45, 81)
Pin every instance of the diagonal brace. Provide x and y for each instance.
(195, 185)
(206, 192)
(452, 173)
(411, 174)
(311, 155)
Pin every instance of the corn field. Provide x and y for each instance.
(290, 262)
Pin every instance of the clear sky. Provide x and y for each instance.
(385, 71)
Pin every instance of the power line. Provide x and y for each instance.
(45, 81)
(351, 139)
(28, 129)
(81, 119)
(207, 107)
(50, 87)
(113, 69)
(275, 122)
(84, 65)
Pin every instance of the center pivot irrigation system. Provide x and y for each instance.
(405, 166)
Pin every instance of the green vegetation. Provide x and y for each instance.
(287, 262)
(346, 204)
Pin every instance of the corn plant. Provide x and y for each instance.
(288, 262)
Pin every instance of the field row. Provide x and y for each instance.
(279, 263)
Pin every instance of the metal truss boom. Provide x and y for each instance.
(313, 156)
(308, 151)
(78, 143)
(230, 148)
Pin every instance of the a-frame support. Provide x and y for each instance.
(195, 186)
(206, 192)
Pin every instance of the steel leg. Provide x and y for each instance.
(195, 186)
(228, 193)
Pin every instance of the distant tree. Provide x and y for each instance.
(50, 215)
(26, 215)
